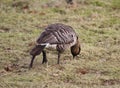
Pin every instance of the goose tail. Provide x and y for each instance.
(37, 50)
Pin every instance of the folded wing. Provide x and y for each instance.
(57, 35)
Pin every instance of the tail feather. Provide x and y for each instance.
(37, 50)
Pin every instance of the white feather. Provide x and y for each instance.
(48, 45)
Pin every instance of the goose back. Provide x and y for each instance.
(63, 36)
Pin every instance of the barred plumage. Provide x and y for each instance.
(60, 36)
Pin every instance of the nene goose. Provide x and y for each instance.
(58, 36)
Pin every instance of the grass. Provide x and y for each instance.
(97, 24)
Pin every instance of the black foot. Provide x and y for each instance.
(44, 61)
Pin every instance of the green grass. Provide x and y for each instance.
(97, 23)
(116, 4)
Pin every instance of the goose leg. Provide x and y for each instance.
(58, 57)
(73, 57)
(31, 63)
(44, 57)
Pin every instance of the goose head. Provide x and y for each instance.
(75, 49)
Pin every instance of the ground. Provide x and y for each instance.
(97, 23)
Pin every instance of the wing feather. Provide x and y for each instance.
(57, 34)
